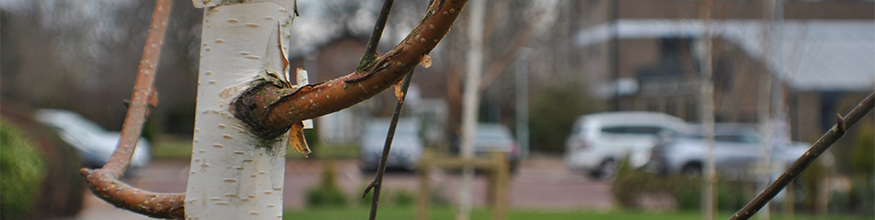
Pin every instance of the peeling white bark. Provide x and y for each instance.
(234, 174)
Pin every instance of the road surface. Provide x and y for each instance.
(541, 182)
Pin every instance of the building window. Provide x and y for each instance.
(722, 78)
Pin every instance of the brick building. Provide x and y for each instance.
(640, 55)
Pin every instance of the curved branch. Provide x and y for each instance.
(104, 182)
(157, 205)
(143, 92)
(270, 109)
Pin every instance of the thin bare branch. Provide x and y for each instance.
(381, 169)
(508, 57)
(374, 41)
(104, 182)
(825, 141)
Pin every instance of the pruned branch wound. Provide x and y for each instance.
(270, 109)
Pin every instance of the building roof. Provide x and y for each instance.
(809, 55)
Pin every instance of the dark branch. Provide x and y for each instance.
(104, 182)
(374, 41)
(806, 159)
(381, 169)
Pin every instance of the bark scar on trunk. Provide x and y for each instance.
(253, 104)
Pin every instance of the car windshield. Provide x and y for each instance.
(380, 128)
(725, 134)
(492, 137)
(632, 129)
(377, 131)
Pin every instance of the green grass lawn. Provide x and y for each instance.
(171, 148)
(407, 213)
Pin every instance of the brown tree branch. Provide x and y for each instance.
(825, 141)
(498, 13)
(105, 185)
(144, 91)
(270, 110)
(505, 59)
(104, 182)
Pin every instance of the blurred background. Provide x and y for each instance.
(588, 99)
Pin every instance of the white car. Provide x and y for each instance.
(94, 144)
(599, 142)
(407, 145)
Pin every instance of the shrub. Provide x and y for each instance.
(860, 199)
(554, 110)
(861, 163)
(326, 197)
(438, 198)
(812, 183)
(327, 193)
(689, 195)
(402, 198)
(22, 170)
(630, 184)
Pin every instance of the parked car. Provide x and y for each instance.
(494, 137)
(599, 142)
(737, 148)
(407, 145)
(94, 144)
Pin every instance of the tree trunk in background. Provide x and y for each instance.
(470, 105)
(234, 174)
(707, 112)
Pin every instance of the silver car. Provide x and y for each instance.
(736, 152)
(94, 144)
(407, 145)
(494, 137)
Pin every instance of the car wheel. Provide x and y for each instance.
(606, 170)
(692, 171)
(512, 165)
(368, 169)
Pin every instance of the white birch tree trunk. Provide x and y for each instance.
(234, 174)
(470, 104)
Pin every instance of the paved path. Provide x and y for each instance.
(541, 182)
